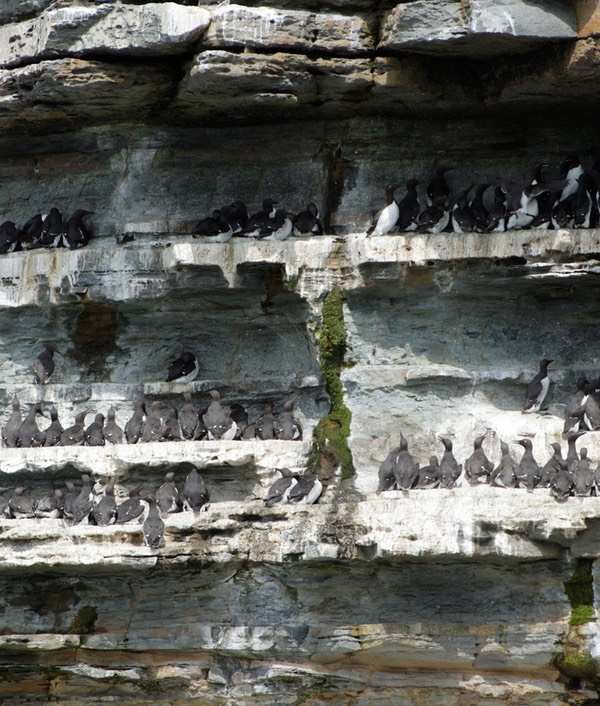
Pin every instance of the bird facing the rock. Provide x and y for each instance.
(43, 365)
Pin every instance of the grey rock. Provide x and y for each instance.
(154, 28)
(479, 28)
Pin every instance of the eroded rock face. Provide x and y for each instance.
(153, 114)
(209, 39)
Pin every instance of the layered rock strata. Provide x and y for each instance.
(153, 114)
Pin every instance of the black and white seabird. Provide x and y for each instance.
(583, 475)
(528, 471)
(238, 414)
(74, 232)
(51, 231)
(429, 476)
(153, 527)
(171, 422)
(386, 218)
(582, 202)
(287, 426)
(30, 435)
(43, 365)
(505, 473)
(68, 499)
(408, 208)
(215, 228)
(167, 496)
(280, 490)
(153, 427)
(478, 210)
(563, 483)
(551, 467)
(189, 421)
(133, 428)
(574, 408)
(570, 170)
(50, 505)
(132, 508)
(237, 215)
(112, 432)
(435, 218)
(218, 424)
(31, 230)
(497, 213)
(10, 431)
(257, 221)
(478, 466)
(463, 220)
(450, 469)
(522, 201)
(83, 503)
(74, 435)
(307, 222)
(104, 511)
(195, 492)
(387, 475)
(406, 471)
(21, 507)
(93, 435)
(591, 405)
(438, 187)
(9, 238)
(183, 369)
(536, 391)
(277, 228)
(54, 429)
(265, 425)
(307, 490)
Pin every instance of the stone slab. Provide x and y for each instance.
(149, 29)
(478, 27)
(295, 31)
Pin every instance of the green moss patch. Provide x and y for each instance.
(330, 437)
(580, 591)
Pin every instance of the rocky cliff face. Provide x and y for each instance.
(152, 114)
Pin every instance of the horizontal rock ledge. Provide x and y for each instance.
(474, 523)
(150, 29)
(315, 265)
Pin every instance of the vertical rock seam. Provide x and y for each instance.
(330, 436)
(574, 659)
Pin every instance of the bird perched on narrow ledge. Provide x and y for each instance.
(537, 389)
(183, 369)
(43, 365)
(386, 219)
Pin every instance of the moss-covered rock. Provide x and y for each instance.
(330, 437)
(580, 591)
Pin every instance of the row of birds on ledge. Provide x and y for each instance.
(582, 411)
(85, 507)
(545, 200)
(570, 199)
(571, 475)
(162, 423)
(51, 230)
